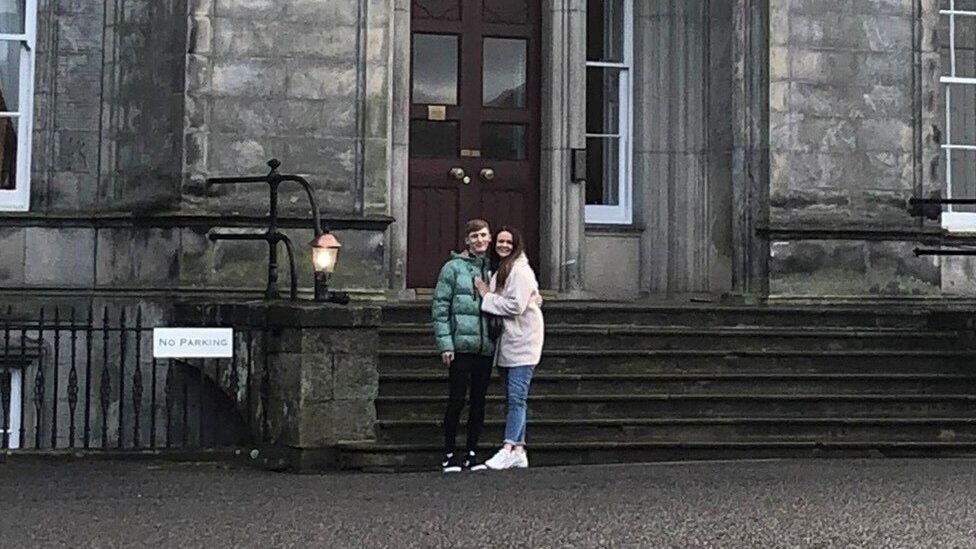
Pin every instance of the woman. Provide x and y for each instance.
(461, 334)
(514, 295)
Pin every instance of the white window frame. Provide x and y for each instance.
(13, 413)
(623, 212)
(18, 199)
(951, 220)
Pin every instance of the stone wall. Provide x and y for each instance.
(138, 102)
(273, 79)
(850, 141)
(142, 110)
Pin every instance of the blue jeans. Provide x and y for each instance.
(517, 382)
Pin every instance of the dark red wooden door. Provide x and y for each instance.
(474, 126)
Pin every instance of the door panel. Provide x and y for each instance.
(441, 10)
(505, 11)
(436, 235)
(474, 126)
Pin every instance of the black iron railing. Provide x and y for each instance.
(88, 380)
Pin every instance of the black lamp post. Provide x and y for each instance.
(325, 246)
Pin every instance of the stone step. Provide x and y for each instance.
(434, 383)
(649, 361)
(561, 336)
(575, 312)
(426, 457)
(699, 405)
(745, 429)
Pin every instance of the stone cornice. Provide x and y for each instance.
(172, 221)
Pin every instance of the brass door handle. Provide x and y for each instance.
(458, 173)
(487, 174)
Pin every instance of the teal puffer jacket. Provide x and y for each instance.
(459, 324)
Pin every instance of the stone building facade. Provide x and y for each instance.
(759, 147)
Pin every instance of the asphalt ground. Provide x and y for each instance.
(797, 503)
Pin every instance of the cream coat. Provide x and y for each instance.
(521, 341)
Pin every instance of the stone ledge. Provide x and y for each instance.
(280, 314)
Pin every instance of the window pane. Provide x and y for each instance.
(603, 171)
(604, 30)
(10, 76)
(12, 16)
(504, 73)
(444, 10)
(503, 141)
(435, 69)
(965, 46)
(8, 153)
(602, 100)
(433, 139)
(504, 11)
(962, 116)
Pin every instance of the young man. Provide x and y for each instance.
(461, 333)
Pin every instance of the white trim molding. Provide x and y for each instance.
(621, 213)
(18, 198)
(952, 220)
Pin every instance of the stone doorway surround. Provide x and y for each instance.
(561, 202)
(561, 223)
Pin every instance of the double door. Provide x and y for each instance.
(474, 126)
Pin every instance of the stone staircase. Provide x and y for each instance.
(625, 383)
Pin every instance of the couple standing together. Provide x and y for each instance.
(488, 286)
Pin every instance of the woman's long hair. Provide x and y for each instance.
(505, 264)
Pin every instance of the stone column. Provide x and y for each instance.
(563, 129)
(750, 150)
(682, 145)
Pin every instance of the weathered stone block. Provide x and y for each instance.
(337, 12)
(241, 39)
(201, 35)
(958, 275)
(315, 41)
(245, 117)
(77, 151)
(894, 135)
(13, 241)
(362, 263)
(316, 425)
(309, 118)
(69, 192)
(850, 268)
(335, 158)
(839, 99)
(317, 379)
(327, 341)
(376, 177)
(247, 9)
(313, 79)
(236, 154)
(249, 78)
(240, 263)
(59, 257)
(156, 257)
(288, 340)
(355, 375)
(354, 420)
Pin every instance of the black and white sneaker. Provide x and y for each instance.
(451, 463)
(472, 463)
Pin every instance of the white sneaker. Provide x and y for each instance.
(521, 460)
(503, 459)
